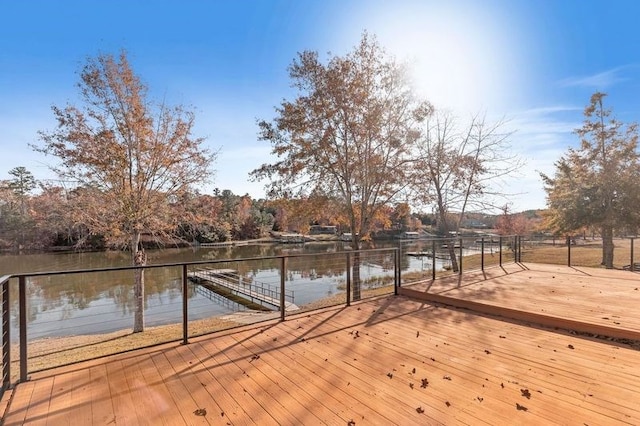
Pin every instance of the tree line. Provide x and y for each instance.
(38, 215)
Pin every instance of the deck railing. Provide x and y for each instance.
(345, 276)
(315, 274)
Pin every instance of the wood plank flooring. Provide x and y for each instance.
(606, 299)
(393, 360)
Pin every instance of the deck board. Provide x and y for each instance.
(605, 299)
(365, 363)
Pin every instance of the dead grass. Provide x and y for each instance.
(57, 351)
(587, 253)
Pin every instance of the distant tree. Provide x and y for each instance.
(401, 216)
(348, 134)
(52, 217)
(597, 183)
(457, 164)
(509, 223)
(129, 155)
(22, 184)
(16, 223)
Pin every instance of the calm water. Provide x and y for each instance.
(98, 303)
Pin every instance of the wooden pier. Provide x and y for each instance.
(255, 293)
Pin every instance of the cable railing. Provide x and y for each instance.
(48, 319)
(42, 308)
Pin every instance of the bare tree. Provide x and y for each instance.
(456, 166)
(129, 155)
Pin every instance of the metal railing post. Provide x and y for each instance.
(398, 257)
(500, 250)
(348, 279)
(22, 302)
(482, 253)
(632, 267)
(6, 336)
(283, 271)
(519, 248)
(396, 271)
(433, 259)
(185, 306)
(568, 250)
(460, 262)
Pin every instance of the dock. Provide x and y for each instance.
(418, 254)
(252, 292)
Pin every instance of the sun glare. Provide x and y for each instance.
(463, 58)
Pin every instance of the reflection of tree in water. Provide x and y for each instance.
(68, 293)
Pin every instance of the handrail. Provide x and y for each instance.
(190, 263)
(347, 258)
(23, 278)
(6, 334)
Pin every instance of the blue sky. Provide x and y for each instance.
(535, 62)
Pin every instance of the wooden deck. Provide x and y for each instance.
(393, 360)
(598, 301)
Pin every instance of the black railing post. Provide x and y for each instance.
(433, 259)
(283, 272)
(6, 335)
(568, 250)
(500, 250)
(482, 253)
(519, 248)
(632, 267)
(348, 279)
(185, 305)
(460, 261)
(22, 302)
(396, 268)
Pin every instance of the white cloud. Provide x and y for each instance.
(541, 137)
(601, 80)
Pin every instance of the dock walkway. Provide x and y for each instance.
(260, 293)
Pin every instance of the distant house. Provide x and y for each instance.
(476, 224)
(347, 236)
(409, 235)
(323, 230)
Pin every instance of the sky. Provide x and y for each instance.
(534, 63)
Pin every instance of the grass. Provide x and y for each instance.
(586, 253)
